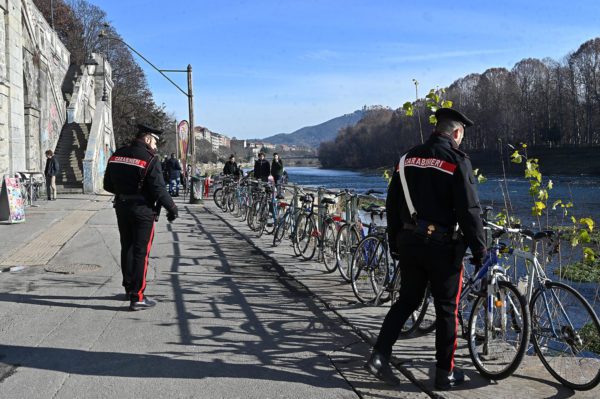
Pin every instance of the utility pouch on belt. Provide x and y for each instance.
(433, 232)
(422, 228)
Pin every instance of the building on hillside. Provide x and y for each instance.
(202, 133)
(215, 139)
(220, 140)
(261, 144)
(235, 143)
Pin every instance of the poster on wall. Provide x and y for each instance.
(12, 203)
(183, 129)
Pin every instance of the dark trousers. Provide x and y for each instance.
(440, 265)
(136, 228)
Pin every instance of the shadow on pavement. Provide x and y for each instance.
(74, 361)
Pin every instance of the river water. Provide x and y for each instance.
(583, 191)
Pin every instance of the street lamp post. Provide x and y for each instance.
(189, 95)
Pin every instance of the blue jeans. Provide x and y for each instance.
(174, 190)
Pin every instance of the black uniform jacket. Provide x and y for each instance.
(126, 169)
(442, 189)
(262, 169)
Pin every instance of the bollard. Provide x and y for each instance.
(195, 190)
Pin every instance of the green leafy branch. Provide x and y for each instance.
(434, 100)
(539, 192)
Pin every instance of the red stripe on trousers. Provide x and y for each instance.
(141, 291)
(456, 318)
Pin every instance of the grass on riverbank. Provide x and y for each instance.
(581, 272)
(590, 337)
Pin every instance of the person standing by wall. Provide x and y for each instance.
(50, 172)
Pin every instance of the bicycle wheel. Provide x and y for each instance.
(328, 244)
(281, 229)
(294, 237)
(252, 219)
(566, 335)
(345, 245)
(225, 198)
(497, 349)
(413, 321)
(218, 197)
(427, 317)
(237, 207)
(368, 269)
(306, 237)
(261, 220)
(231, 202)
(271, 221)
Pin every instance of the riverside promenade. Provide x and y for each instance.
(236, 318)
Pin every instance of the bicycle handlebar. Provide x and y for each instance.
(534, 236)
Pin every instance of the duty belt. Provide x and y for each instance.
(131, 197)
(431, 231)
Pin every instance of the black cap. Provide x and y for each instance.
(453, 115)
(145, 129)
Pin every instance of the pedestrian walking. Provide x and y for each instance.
(433, 213)
(262, 170)
(50, 172)
(134, 175)
(174, 170)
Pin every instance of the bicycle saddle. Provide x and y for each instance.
(374, 209)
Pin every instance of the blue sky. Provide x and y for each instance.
(263, 67)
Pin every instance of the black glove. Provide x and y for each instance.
(478, 258)
(172, 214)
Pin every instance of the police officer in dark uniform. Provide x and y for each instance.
(429, 230)
(134, 175)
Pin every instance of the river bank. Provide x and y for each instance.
(564, 161)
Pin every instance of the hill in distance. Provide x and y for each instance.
(312, 136)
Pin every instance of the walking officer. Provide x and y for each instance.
(433, 213)
(134, 175)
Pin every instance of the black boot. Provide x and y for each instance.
(379, 366)
(445, 380)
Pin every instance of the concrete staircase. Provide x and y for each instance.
(70, 152)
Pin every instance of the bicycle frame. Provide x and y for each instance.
(536, 276)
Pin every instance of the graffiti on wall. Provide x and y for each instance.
(103, 153)
(52, 129)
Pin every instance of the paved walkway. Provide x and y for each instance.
(236, 318)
